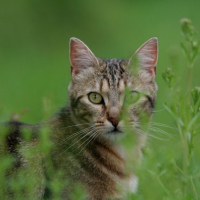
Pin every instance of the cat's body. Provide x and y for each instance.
(84, 133)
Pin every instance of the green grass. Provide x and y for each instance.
(177, 175)
(35, 72)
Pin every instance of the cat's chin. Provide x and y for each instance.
(112, 134)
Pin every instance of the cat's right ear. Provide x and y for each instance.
(81, 56)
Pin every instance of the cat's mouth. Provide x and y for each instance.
(115, 131)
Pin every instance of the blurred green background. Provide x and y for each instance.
(34, 54)
(34, 38)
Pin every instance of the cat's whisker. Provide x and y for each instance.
(154, 125)
(92, 137)
(75, 125)
(162, 125)
(153, 136)
(78, 140)
(73, 135)
(157, 130)
(91, 134)
(98, 133)
(135, 124)
(76, 133)
(141, 133)
(132, 126)
(149, 135)
(156, 111)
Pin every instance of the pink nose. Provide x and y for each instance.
(114, 121)
(113, 116)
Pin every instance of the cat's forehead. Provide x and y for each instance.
(113, 61)
(113, 66)
(114, 72)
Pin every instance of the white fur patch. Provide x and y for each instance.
(105, 86)
(121, 85)
(132, 184)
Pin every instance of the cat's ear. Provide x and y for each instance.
(147, 56)
(81, 56)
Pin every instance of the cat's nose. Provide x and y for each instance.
(113, 116)
(114, 121)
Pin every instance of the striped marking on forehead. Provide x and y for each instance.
(104, 86)
(121, 85)
(113, 76)
(113, 72)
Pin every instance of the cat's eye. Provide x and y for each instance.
(95, 98)
(133, 97)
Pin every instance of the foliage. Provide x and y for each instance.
(183, 106)
(170, 168)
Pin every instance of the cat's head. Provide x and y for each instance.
(100, 89)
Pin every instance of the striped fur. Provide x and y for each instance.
(85, 134)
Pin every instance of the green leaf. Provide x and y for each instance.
(193, 121)
(185, 51)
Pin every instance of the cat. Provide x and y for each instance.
(84, 133)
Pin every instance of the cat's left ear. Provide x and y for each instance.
(147, 56)
(81, 57)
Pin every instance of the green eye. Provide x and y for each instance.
(95, 98)
(133, 97)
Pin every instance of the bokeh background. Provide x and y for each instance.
(34, 54)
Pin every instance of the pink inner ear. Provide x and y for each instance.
(73, 55)
(153, 50)
(148, 54)
(153, 62)
(152, 70)
(81, 56)
(74, 70)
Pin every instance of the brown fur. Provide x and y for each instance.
(84, 134)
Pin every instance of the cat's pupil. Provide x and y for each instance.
(95, 98)
(133, 97)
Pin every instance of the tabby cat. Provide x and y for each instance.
(86, 133)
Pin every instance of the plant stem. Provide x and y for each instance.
(184, 145)
(190, 69)
(193, 187)
(164, 188)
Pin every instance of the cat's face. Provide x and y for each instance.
(101, 91)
